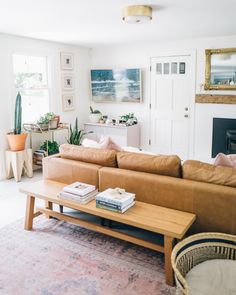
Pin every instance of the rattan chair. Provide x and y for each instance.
(197, 249)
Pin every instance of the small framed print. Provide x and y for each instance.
(68, 102)
(68, 81)
(67, 61)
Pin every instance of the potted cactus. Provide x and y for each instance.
(16, 139)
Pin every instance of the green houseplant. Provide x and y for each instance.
(95, 115)
(51, 147)
(76, 135)
(16, 139)
(48, 121)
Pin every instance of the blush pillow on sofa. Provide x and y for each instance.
(225, 160)
(105, 143)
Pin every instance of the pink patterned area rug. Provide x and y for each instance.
(59, 258)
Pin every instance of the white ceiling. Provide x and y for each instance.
(99, 22)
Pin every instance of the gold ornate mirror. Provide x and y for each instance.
(220, 69)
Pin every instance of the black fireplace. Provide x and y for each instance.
(224, 136)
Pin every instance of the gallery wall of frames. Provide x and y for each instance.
(68, 81)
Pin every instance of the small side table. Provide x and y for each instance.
(19, 162)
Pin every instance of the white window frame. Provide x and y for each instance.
(47, 56)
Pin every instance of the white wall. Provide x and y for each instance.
(139, 56)
(10, 45)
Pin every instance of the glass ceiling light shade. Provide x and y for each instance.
(137, 14)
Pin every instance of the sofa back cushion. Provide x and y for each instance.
(204, 172)
(106, 158)
(155, 164)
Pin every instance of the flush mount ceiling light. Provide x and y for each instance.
(137, 14)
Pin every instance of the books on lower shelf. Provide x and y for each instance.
(79, 192)
(115, 200)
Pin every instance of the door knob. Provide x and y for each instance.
(186, 109)
(186, 116)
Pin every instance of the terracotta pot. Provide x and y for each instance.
(16, 141)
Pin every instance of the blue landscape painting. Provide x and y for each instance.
(118, 85)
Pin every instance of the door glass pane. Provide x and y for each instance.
(182, 67)
(166, 68)
(159, 68)
(174, 66)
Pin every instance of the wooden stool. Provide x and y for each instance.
(19, 162)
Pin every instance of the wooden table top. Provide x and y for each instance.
(154, 218)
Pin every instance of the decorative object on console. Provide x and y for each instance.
(137, 14)
(220, 69)
(17, 139)
(76, 135)
(67, 61)
(68, 102)
(95, 115)
(129, 119)
(116, 85)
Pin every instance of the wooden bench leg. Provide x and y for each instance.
(29, 215)
(168, 247)
(48, 205)
(61, 208)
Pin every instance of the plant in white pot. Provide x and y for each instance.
(95, 115)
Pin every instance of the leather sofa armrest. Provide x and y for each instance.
(46, 163)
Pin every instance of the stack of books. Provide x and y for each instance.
(38, 157)
(79, 192)
(116, 200)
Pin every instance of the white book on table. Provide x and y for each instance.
(79, 188)
(75, 198)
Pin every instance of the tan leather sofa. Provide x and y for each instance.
(200, 188)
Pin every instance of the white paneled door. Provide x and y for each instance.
(172, 85)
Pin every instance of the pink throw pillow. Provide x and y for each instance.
(108, 144)
(226, 161)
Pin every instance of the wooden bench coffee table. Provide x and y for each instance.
(172, 224)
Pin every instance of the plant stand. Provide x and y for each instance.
(19, 162)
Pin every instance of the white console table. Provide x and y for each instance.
(122, 135)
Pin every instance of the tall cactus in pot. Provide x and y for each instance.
(16, 138)
(18, 115)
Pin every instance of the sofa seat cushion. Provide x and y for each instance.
(101, 157)
(155, 164)
(212, 277)
(204, 172)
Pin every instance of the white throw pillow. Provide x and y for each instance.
(90, 143)
(213, 277)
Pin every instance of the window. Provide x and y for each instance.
(30, 74)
